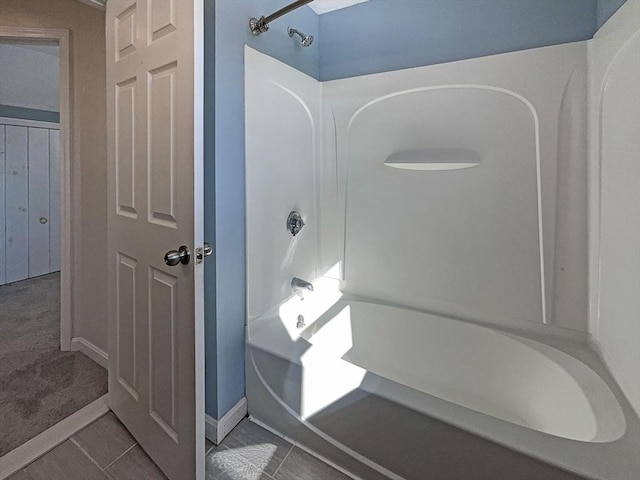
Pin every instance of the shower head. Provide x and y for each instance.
(305, 40)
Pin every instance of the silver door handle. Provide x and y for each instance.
(174, 257)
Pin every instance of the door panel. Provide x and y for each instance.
(126, 325)
(163, 18)
(162, 86)
(163, 361)
(17, 203)
(125, 31)
(38, 202)
(155, 205)
(125, 151)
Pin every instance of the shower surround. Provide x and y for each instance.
(446, 237)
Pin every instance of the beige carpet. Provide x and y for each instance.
(39, 384)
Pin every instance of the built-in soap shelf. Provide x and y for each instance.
(434, 159)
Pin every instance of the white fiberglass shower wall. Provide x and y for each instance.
(483, 242)
(383, 196)
(614, 99)
(284, 180)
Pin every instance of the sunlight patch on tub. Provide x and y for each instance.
(311, 305)
(327, 378)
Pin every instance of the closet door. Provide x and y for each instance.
(38, 208)
(16, 203)
(30, 210)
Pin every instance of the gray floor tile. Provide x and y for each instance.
(299, 465)
(65, 462)
(135, 464)
(224, 464)
(257, 446)
(21, 475)
(104, 440)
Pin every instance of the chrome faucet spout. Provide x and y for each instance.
(299, 284)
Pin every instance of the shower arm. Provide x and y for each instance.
(261, 25)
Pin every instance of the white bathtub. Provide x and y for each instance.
(515, 391)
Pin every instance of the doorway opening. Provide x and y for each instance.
(43, 381)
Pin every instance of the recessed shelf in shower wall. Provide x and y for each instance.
(434, 159)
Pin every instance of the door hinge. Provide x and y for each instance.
(202, 252)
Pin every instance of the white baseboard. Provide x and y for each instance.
(216, 430)
(211, 429)
(81, 344)
(33, 449)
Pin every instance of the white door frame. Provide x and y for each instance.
(69, 175)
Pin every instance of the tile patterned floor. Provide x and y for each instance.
(106, 451)
(252, 453)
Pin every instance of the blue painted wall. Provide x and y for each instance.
(224, 151)
(384, 35)
(210, 354)
(606, 8)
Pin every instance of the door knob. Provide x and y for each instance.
(174, 257)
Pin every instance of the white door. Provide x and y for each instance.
(156, 311)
